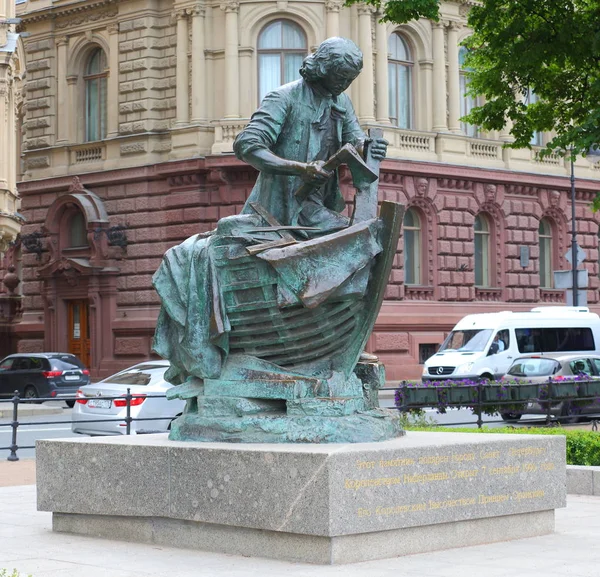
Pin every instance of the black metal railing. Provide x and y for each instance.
(549, 397)
(15, 423)
(478, 400)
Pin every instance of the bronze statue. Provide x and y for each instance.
(265, 318)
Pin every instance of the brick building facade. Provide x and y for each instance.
(107, 190)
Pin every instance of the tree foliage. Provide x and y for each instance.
(548, 47)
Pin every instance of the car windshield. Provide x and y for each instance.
(65, 363)
(534, 368)
(471, 340)
(138, 375)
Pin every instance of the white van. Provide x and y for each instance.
(484, 346)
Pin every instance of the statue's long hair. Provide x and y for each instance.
(331, 54)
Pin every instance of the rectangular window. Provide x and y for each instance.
(427, 350)
(482, 273)
(555, 340)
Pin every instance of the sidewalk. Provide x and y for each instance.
(28, 544)
(31, 410)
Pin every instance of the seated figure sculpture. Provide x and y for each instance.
(264, 319)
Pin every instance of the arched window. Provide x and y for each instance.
(412, 247)
(77, 231)
(482, 251)
(282, 47)
(400, 71)
(95, 79)
(545, 240)
(467, 103)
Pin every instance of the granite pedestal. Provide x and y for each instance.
(314, 503)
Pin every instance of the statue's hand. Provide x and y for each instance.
(378, 148)
(314, 173)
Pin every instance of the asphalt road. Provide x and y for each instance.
(35, 427)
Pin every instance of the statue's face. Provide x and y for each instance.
(339, 79)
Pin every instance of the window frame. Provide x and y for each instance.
(546, 250)
(410, 66)
(486, 256)
(467, 103)
(102, 96)
(280, 51)
(77, 215)
(537, 139)
(417, 250)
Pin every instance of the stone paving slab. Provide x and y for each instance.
(28, 544)
(21, 472)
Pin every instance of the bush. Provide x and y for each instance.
(4, 573)
(583, 447)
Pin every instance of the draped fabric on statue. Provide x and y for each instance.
(190, 331)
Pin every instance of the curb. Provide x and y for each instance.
(27, 410)
(582, 480)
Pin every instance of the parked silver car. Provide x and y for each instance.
(148, 387)
(557, 367)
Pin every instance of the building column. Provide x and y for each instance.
(112, 104)
(4, 159)
(439, 78)
(332, 22)
(62, 104)
(232, 63)
(71, 122)
(198, 64)
(365, 80)
(381, 71)
(454, 95)
(183, 91)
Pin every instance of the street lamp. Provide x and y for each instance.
(593, 157)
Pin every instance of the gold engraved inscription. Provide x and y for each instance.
(485, 499)
(476, 464)
(520, 495)
(527, 451)
(396, 462)
(356, 484)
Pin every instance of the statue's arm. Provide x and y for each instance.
(253, 145)
(352, 133)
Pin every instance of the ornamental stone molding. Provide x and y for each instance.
(333, 5)
(198, 10)
(365, 9)
(230, 6)
(86, 19)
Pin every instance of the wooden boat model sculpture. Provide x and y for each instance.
(296, 308)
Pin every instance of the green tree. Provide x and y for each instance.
(548, 47)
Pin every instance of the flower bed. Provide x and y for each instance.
(492, 398)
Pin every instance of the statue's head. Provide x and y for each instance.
(334, 65)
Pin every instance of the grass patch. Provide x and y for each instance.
(583, 447)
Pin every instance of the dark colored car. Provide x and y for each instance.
(52, 375)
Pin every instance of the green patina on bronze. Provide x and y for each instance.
(264, 319)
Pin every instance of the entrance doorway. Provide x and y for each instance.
(79, 329)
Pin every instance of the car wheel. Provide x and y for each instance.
(568, 415)
(486, 377)
(511, 416)
(31, 393)
(70, 404)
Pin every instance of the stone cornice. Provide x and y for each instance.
(54, 12)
